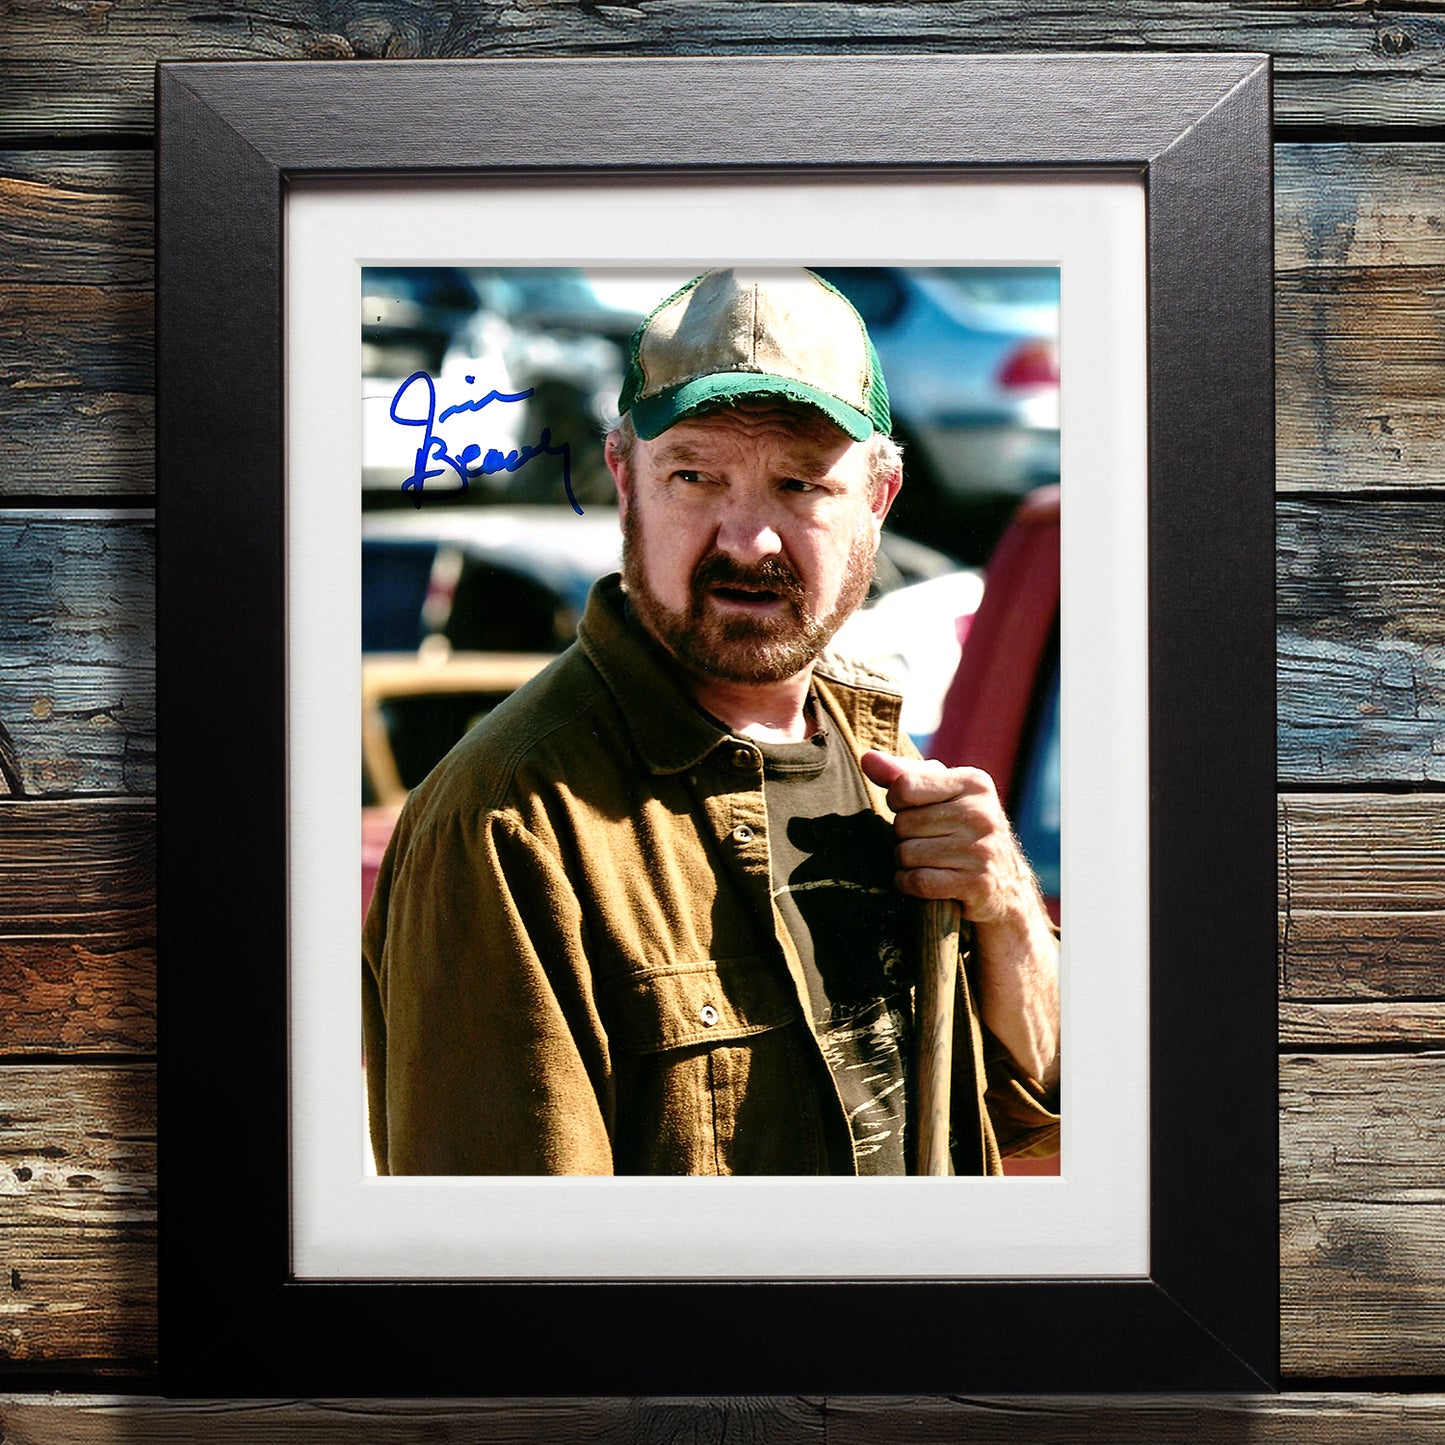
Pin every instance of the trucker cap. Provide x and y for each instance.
(730, 334)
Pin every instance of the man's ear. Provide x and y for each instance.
(617, 465)
(884, 494)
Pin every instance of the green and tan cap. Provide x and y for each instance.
(730, 334)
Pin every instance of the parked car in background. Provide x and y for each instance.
(414, 707)
(409, 315)
(411, 320)
(516, 578)
(972, 363)
(1001, 711)
(914, 634)
(537, 333)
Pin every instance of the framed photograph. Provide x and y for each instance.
(401, 309)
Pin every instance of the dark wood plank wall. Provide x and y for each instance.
(1360, 191)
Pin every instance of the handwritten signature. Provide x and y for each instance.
(415, 404)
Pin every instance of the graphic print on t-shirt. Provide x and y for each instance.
(833, 866)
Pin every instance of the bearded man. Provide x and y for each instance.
(655, 914)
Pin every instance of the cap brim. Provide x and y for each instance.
(653, 415)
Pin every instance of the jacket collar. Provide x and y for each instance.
(671, 733)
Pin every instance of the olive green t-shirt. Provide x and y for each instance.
(832, 876)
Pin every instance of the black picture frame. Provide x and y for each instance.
(231, 136)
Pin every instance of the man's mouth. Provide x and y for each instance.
(752, 598)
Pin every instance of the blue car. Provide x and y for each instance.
(972, 360)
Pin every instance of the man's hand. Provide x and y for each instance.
(955, 842)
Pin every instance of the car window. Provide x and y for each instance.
(422, 729)
(394, 579)
(1003, 285)
(1037, 811)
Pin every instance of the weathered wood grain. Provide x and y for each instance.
(1363, 1289)
(77, 650)
(77, 869)
(83, 996)
(1361, 652)
(1362, 1206)
(1381, 1025)
(1362, 914)
(77, 310)
(1360, 364)
(1359, 206)
(1333, 65)
(78, 1202)
(77, 926)
(1360, 345)
(1306, 1418)
(1361, 645)
(1362, 1129)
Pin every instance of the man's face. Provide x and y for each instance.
(749, 536)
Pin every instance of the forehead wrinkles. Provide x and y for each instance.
(749, 435)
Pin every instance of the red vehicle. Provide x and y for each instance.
(1001, 712)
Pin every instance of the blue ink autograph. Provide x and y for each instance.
(469, 463)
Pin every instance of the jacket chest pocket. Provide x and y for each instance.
(696, 1004)
(709, 1076)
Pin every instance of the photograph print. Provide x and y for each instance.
(711, 723)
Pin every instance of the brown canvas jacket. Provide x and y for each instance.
(572, 963)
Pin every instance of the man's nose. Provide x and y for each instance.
(747, 532)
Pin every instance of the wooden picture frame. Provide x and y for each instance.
(235, 1319)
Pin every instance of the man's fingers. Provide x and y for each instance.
(945, 850)
(953, 838)
(966, 818)
(933, 883)
(912, 783)
(882, 768)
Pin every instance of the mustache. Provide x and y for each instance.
(772, 574)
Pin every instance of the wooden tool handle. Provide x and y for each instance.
(937, 976)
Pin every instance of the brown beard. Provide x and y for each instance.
(742, 649)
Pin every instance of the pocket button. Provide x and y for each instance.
(708, 1014)
(742, 834)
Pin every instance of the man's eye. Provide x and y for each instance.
(686, 476)
(795, 484)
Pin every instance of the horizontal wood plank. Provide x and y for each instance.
(81, 996)
(77, 869)
(77, 321)
(1359, 206)
(1360, 331)
(1362, 913)
(1360, 363)
(1306, 1418)
(77, 651)
(1361, 641)
(77, 926)
(1333, 66)
(78, 1197)
(1362, 1129)
(1363, 1289)
(1362, 1215)
(1407, 1024)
